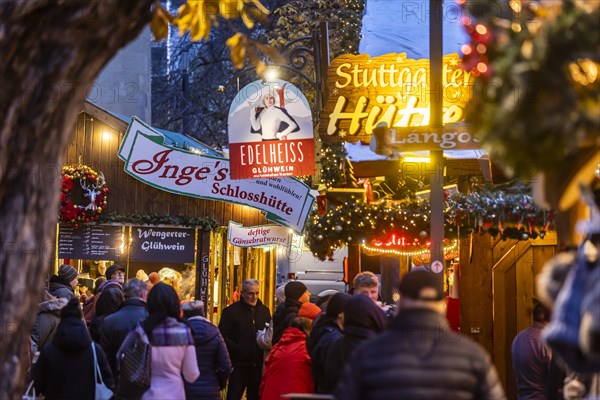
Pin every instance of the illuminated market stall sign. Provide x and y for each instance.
(364, 92)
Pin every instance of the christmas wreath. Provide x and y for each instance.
(84, 195)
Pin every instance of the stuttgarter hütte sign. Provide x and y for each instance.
(270, 132)
(365, 91)
(254, 236)
(286, 201)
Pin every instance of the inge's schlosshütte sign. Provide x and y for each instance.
(286, 201)
(365, 91)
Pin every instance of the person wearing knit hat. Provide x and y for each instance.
(296, 294)
(63, 284)
(110, 298)
(309, 310)
(295, 290)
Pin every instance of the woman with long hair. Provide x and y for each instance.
(173, 351)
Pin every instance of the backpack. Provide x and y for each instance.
(134, 364)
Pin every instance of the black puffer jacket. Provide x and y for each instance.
(213, 361)
(65, 369)
(324, 333)
(283, 317)
(419, 357)
(238, 325)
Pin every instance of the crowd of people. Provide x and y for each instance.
(348, 346)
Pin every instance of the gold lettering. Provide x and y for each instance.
(354, 116)
(342, 74)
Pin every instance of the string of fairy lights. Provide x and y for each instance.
(373, 250)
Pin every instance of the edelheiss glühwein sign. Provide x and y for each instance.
(286, 201)
(365, 91)
(270, 132)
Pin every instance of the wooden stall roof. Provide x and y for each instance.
(98, 134)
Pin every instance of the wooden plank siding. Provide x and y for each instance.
(497, 281)
(95, 143)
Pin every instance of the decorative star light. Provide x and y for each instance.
(343, 133)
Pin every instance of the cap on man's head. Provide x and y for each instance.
(413, 282)
(112, 269)
(67, 273)
(309, 310)
(294, 290)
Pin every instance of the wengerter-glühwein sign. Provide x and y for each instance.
(262, 235)
(286, 201)
(365, 91)
(270, 132)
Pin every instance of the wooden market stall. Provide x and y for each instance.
(218, 266)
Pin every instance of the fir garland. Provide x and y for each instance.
(506, 211)
(205, 223)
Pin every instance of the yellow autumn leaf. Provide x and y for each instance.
(273, 54)
(160, 23)
(259, 6)
(237, 44)
(251, 13)
(185, 14)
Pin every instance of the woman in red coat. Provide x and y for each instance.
(287, 369)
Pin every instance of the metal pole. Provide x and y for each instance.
(437, 156)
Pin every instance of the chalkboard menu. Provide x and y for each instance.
(89, 242)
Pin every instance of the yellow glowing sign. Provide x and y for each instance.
(364, 91)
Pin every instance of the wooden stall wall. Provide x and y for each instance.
(96, 143)
(497, 288)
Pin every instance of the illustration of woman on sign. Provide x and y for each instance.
(272, 122)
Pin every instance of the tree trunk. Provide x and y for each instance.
(51, 53)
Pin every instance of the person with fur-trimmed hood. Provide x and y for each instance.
(47, 321)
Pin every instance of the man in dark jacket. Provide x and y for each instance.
(327, 329)
(116, 326)
(296, 294)
(419, 357)
(109, 298)
(238, 325)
